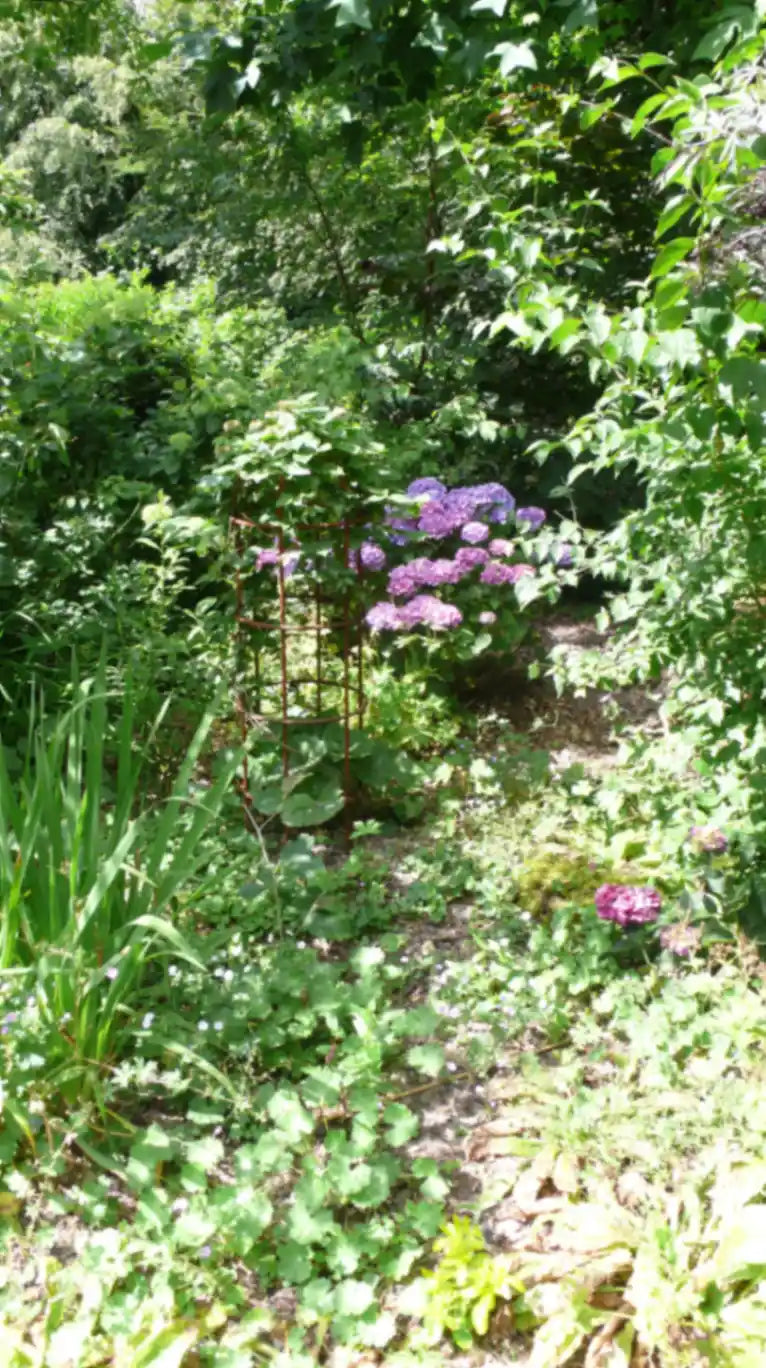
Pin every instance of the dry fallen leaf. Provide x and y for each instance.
(566, 1173)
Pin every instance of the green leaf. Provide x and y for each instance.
(497, 7)
(654, 59)
(679, 347)
(193, 1229)
(742, 1244)
(306, 809)
(673, 211)
(309, 1227)
(671, 254)
(356, 12)
(402, 1123)
(583, 14)
(377, 1189)
(168, 1349)
(290, 1116)
(427, 1059)
(514, 322)
(353, 1297)
(738, 20)
(515, 57)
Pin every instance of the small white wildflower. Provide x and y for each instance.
(173, 971)
(147, 1021)
(111, 972)
(217, 1025)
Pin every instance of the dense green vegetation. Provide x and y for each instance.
(383, 984)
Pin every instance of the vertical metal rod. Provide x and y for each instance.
(318, 626)
(360, 650)
(283, 651)
(346, 690)
(239, 696)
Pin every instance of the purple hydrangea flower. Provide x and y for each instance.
(709, 839)
(372, 557)
(488, 619)
(495, 572)
(266, 558)
(436, 520)
(564, 557)
(535, 517)
(402, 528)
(470, 558)
(384, 617)
(474, 532)
(627, 904)
(500, 546)
(436, 572)
(680, 940)
(494, 493)
(428, 485)
(290, 563)
(402, 582)
(428, 611)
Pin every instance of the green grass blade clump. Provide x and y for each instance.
(90, 869)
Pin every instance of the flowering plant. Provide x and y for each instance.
(627, 904)
(493, 560)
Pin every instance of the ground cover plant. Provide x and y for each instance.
(410, 356)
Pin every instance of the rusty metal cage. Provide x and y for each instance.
(301, 664)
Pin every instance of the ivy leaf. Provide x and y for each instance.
(515, 57)
(427, 1059)
(309, 1227)
(292, 1119)
(402, 1123)
(294, 1263)
(378, 1187)
(356, 12)
(353, 1298)
(193, 1229)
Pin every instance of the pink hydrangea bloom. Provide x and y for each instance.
(709, 839)
(500, 546)
(627, 904)
(521, 572)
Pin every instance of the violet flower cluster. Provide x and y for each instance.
(680, 939)
(627, 904)
(709, 840)
(467, 515)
